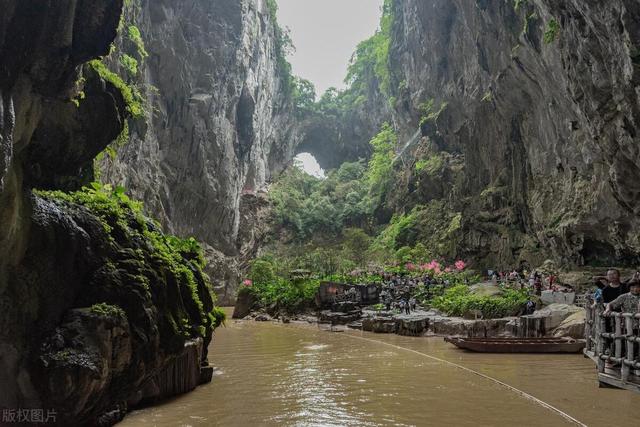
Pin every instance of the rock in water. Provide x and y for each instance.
(572, 326)
(555, 314)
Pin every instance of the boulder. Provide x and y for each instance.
(244, 304)
(414, 327)
(456, 326)
(339, 318)
(551, 297)
(554, 314)
(379, 325)
(572, 326)
(263, 317)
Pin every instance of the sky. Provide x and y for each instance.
(325, 34)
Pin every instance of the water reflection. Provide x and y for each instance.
(289, 375)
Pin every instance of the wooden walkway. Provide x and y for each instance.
(613, 343)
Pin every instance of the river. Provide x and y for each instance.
(271, 374)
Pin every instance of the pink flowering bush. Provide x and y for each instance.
(247, 282)
(460, 265)
(434, 265)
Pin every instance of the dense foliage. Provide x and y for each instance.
(277, 290)
(306, 205)
(458, 301)
(371, 59)
(369, 65)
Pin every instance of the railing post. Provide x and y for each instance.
(628, 323)
(618, 335)
(600, 328)
(588, 328)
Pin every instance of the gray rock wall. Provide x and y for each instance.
(217, 121)
(545, 131)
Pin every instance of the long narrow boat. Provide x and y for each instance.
(518, 345)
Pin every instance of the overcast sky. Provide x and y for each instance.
(325, 33)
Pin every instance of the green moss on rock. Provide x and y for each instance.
(108, 310)
(143, 267)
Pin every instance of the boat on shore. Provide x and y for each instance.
(518, 345)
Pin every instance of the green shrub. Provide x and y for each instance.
(371, 58)
(262, 272)
(130, 64)
(136, 37)
(458, 301)
(107, 310)
(288, 295)
(217, 317)
(552, 31)
(379, 171)
(429, 113)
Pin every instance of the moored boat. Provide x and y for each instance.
(518, 345)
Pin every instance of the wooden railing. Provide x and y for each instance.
(613, 343)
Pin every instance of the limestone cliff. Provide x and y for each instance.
(98, 308)
(519, 125)
(528, 114)
(217, 124)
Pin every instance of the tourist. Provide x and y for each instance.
(402, 305)
(612, 288)
(629, 302)
(532, 279)
(384, 295)
(407, 307)
(530, 307)
(597, 295)
(412, 303)
(537, 284)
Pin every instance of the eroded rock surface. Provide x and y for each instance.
(93, 308)
(218, 124)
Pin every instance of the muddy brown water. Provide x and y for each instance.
(271, 374)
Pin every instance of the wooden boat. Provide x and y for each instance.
(518, 345)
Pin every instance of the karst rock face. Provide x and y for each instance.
(537, 108)
(217, 124)
(96, 311)
(533, 108)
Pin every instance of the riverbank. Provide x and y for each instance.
(289, 374)
(553, 320)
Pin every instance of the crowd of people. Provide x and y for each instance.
(398, 290)
(534, 281)
(616, 294)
